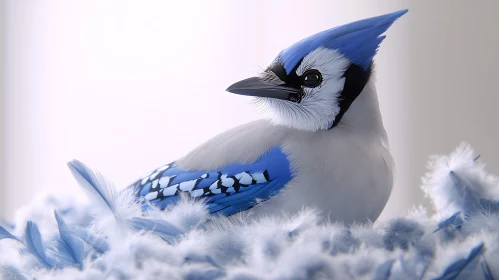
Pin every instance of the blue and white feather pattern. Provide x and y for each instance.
(185, 240)
(233, 188)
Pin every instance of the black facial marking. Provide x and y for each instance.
(356, 79)
(278, 69)
(291, 79)
(355, 76)
(310, 78)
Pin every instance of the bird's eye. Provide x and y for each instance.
(311, 78)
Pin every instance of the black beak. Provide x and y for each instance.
(258, 87)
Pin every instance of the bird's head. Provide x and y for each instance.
(311, 84)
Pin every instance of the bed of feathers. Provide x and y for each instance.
(57, 238)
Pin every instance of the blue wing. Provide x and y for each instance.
(233, 188)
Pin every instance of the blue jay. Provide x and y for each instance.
(323, 146)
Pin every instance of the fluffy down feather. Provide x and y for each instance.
(185, 242)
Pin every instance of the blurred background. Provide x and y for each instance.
(126, 86)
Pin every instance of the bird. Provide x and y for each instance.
(322, 144)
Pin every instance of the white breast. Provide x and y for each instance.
(345, 172)
(347, 178)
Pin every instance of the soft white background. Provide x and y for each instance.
(126, 86)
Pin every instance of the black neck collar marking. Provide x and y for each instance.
(356, 79)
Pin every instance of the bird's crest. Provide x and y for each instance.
(358, 41)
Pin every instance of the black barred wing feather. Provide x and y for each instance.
(233, 188)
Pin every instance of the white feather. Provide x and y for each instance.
(272, 247)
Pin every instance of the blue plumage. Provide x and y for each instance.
(94, 183)
(384, 270)
(402, 233)
(35, 246)
(69, 247)
(487, 206)
(238, 250)
(163, 229)
(4, 233)
(462, 268)
(84, 172)
(487, 274)
(449, 228)
(233, 188)
(99, 244)
(11, 272)
(455, 221)
(358, 41)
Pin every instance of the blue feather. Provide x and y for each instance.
(449, 228)
(6, 234)
(35, 246)
(244, 200)
(241, 196)
(208, 274)
(99, 244)
(344, 243)
(454, 221)
(488, 206)
(62, 254)
(194, 258)
(210, 179)
(231, 189)
(94, 183)
(187, 176)
(487, 274)
(11, 272)
(468, 192)
(358, 41)
(70, 243)
(145, 189)
(402, 233)
(383, 271)
(425, 253)
(163, 229)
(464, 267)
(166, 201)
